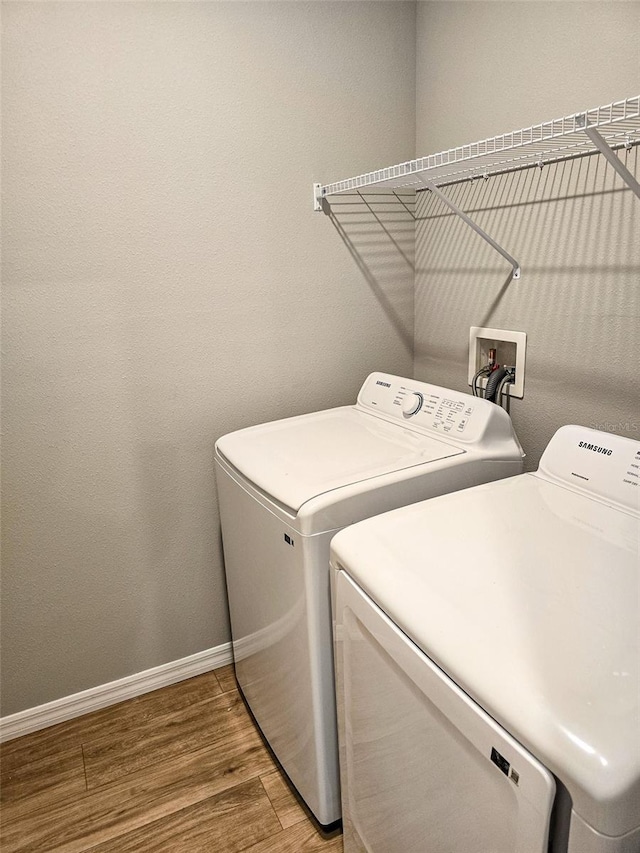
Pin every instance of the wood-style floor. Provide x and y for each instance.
(181, 769)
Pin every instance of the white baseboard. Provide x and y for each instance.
(104, 695)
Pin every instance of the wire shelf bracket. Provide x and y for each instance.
(605, 129)
(615, 161)
(318, 195)
(467, 219)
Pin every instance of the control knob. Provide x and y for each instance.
(412, 403)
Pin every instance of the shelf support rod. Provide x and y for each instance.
(615, 161)
(459, 212)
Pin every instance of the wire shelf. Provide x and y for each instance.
(561, 139)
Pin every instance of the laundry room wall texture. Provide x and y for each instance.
(166, 281)
(486, 68)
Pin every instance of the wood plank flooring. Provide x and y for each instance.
(182, 769)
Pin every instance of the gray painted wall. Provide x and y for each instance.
(166, 281)
(486, 68)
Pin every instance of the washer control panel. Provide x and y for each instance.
(422, 406)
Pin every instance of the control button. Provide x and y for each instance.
(468, 410)
(412, 403)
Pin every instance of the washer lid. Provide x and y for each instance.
(526, 593)
(296, 459)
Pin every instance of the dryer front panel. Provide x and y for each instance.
(423, 767)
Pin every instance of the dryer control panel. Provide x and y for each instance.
(602, 464)
(424, 407)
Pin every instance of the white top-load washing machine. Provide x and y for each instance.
(488, 662)
(285, 488)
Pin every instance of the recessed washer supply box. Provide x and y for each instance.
(511, 351)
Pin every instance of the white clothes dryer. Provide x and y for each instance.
(488, 662)
(285, 488)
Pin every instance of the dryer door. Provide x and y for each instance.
(423, 766)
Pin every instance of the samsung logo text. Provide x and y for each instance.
(595, 448)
